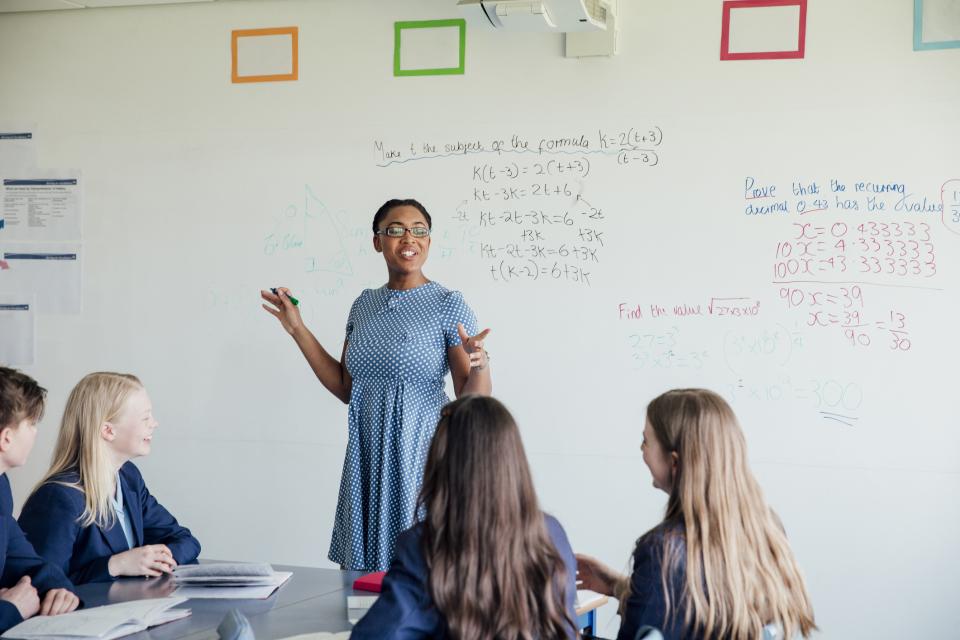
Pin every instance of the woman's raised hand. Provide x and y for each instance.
(473, 345)
(282, 309)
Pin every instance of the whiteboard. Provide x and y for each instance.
(674, 198)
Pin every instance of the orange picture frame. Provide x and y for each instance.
(236, 34)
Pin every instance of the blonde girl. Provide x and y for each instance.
(92, 514)
(719, 564)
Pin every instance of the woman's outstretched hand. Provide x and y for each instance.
(473, 345)
(282, 309)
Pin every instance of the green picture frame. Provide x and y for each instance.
(398, 29)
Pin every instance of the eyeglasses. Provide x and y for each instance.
(396, 231)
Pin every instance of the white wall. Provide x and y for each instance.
(187, 176)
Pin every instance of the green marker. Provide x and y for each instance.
(289, 297)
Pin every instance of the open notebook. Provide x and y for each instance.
(104, 623)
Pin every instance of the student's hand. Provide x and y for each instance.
(596, 576)
(149, 561)
(473, 345)
(23, 596)
(282, 309)
(57, 601)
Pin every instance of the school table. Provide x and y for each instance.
(312, 600)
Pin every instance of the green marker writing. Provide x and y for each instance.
(289, 297)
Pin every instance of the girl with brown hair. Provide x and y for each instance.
(484, 561)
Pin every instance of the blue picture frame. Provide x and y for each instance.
(918, 42)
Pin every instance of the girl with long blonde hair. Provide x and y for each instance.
(483, 562)
(92, 514)
(719, 564)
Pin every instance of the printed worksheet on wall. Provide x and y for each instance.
(41, 206)
(49, 270)
(17, 329)
(18, 152)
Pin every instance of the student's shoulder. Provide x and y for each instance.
(131, 473)
(557, 533)
(6, 495)
(61, 489)
(409, 551)
(553, 526)
(666, 537)
(409, 540)
(667, 532)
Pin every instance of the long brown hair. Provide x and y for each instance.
(740, 571)
(493, 570)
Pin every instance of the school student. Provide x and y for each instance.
(92, 514)
(483, 561)
(28, 584)
(719, 565)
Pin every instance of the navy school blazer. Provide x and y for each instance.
(50, 520)
(405, 610)
(18, 558)
(647, 602)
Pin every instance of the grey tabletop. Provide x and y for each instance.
(312, 600)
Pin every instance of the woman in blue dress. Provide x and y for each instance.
(401, 340)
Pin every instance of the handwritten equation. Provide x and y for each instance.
(735, 307)
(629, 145)
(841, 238)
(523, 213)
(899, 249)
(663, 350)
(835, 401)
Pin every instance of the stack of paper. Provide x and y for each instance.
(104, 623)
(233, 580)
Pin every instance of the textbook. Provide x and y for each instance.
(221, 591)
(354, 615)
(370, 582)
(225, 574)
(358, 601)
(101, 623)
(228, 580)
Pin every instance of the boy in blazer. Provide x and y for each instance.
(28, 584)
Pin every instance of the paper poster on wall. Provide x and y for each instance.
(44, 206)
(264, 55)
(763, 29)
(17, 149)
(429, 47)
(18, 342)
(936, 24)
(52, 271)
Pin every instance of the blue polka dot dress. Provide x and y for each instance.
(397, 345)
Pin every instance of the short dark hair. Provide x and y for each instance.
(393, 204)
(20, 397)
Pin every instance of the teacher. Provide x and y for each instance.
(401, 340)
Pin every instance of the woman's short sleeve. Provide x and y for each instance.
(351, 318)
(456, 311)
